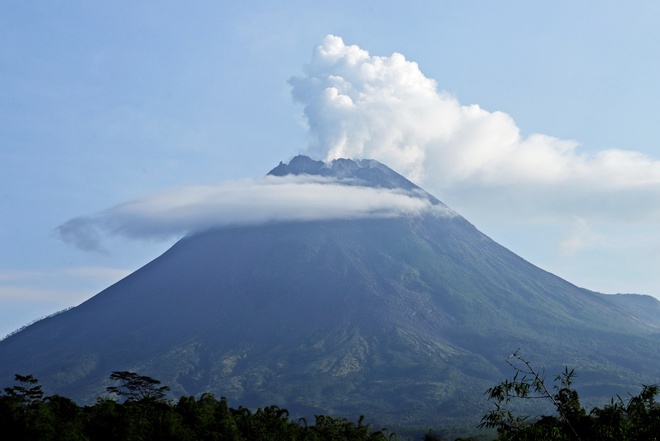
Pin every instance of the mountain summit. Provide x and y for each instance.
(364, 172)
(404, 319)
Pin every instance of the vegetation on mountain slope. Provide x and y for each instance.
(405, 319)
(400, 319)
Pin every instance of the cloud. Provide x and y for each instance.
(383, 107)
(58, 286)
(363, 106)
(84, 272)
(180, 211)
(580, 237)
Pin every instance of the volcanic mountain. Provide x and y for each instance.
(405, 319)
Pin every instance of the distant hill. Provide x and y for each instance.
(405, 320)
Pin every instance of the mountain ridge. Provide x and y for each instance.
(405, 317)
(367, 172)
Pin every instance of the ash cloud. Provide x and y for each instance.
(181, 211)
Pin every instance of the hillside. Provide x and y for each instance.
(405, 319)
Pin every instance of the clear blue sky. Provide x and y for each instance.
(106, 102)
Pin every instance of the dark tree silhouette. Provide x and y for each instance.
(27, 392)
(134, 387)
(638, 418)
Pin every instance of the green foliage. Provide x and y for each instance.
(637, 418)
(144, 415)
(25, 414)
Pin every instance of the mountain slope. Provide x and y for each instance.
(403, 319)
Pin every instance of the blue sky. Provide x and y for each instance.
(549, 112)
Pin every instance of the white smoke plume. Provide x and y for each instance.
(363, 106)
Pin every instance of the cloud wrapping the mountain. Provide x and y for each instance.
(384, 108)
(180, 211)
(363, 106)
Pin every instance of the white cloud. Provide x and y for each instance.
(580, 237)
(31, 294)
(362, 106)
(84, 272)
(180, 211)
(56, 286)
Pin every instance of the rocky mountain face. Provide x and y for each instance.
(364, 172)
(405, 320)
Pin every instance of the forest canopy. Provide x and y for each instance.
(139, 410)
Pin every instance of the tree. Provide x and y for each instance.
(27, 392)
(26, 415)
(635, 419)
(134, 387)
(528, 383)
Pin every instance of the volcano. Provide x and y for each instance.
(405, 319)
